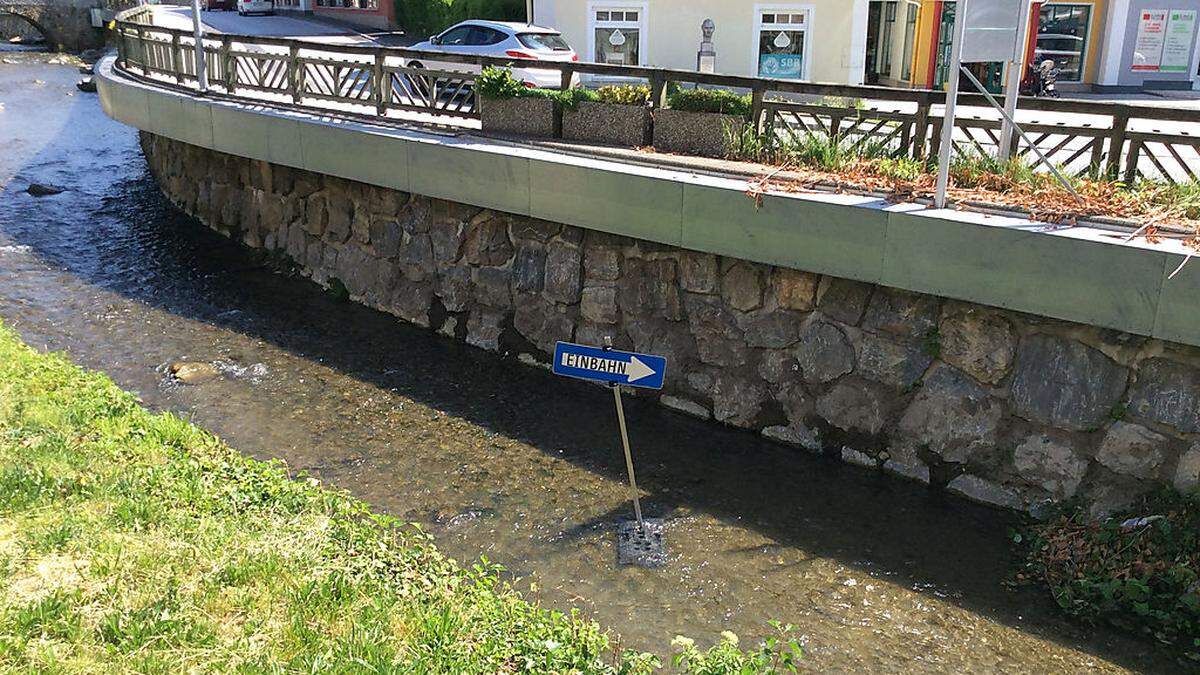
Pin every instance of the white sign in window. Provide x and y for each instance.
(1147, 51)
(617, 34)
(781, 42)
(1178, 41)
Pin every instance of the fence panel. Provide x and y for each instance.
(376, 82)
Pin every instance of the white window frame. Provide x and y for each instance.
(643, 9)
(808, 10)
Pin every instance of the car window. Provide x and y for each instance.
(457, 36)
(483, 36)
(544, 41)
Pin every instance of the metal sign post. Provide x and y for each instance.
(633, 488)
(946, 151)
(639, 542)
(1012, 89)
(986, 31)
(198, 34)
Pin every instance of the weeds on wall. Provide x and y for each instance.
(1138, 570)
(848, 162)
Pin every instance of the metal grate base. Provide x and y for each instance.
(641, 548)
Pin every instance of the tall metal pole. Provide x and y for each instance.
(198, 33)
(1012, 91)
(633, 488)
(947, 149)
(529, 12)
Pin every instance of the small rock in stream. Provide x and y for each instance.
(42, 190)
(86, 84)
(193, 373)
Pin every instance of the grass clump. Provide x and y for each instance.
(132, 541)
(1139, 570)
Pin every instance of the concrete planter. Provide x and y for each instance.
(694, 133)
(519, 116)
(611, 123)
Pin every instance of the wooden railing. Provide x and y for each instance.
(1085, 137)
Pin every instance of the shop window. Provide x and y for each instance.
(617, 34)
(910, 37)
(1062, 37)
(781, 39)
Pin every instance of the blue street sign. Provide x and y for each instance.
(593, 363)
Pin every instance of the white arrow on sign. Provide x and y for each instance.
(637, 370)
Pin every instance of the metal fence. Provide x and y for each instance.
(1124, 141)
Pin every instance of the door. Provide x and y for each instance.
(874, 19)
(991, 75)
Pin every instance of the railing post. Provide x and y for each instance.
(567, 77)
(377, 94)
(293, 71)
(122, 47)
(141, 37)
(1095, 168)
(1116, 143)
(769, 125)
(658, 90)
(935, 139)
(177, 58)
(1131, 162)
(921, 127)
(227, 64)
(757, 94)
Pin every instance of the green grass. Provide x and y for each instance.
(131, 541)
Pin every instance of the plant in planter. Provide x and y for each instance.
(701, 121)
(507, 106)
(616, 115)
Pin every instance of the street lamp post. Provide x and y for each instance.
(198, 33)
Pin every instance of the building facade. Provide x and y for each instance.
(817, 40)
(1150, 44)
(1098, 45)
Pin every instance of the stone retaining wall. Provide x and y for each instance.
(1001, 407)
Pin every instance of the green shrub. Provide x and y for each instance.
(777, 654)
(498, 83)
(420, 18)
(711, 101)
(627, 94)
(1139, 570)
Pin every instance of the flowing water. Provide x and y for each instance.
(495, 458)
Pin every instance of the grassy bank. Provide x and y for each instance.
(135, 541)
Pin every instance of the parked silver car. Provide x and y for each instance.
(518, 41)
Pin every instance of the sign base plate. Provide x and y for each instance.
(641, 548)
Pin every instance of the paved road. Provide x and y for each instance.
(279, 25)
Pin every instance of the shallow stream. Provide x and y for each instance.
(495, 458)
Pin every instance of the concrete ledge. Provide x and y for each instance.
(1084, 274)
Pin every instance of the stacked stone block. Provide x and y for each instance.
(1001, 407)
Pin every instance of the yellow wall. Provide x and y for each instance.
(673, 33)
